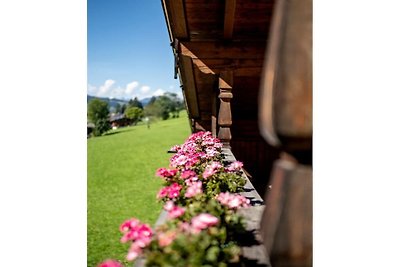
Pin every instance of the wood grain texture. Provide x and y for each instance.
(286, 94)
(229, 18)
(286, 225)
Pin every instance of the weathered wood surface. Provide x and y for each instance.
(286, 87)
(253, 253)
(177, 20)
(229, 18)
(286, 225)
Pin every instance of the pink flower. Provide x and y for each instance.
(194, 189)
(203, 221)
(129, 224)
(235, 166)
(176, 212)
(139, 232)
(134, 251)
(110, 263)
(188, 174)
(163, 192)
(166, 173)
(174, 190)
(164, 239)
(211, 169)
(233, 201)
(178, 160)
(169, 205)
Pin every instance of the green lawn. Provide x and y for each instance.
(121, 181)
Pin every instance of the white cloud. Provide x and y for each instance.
(144, 89)
(131, 90)
(158, 92)
(130, 87)
(104, 89)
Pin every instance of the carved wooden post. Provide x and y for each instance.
(225, 82)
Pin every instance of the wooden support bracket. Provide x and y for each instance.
(225, 115)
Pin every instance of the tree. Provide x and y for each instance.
(135, 103)
(98, 114)
(152, 100)
(134, 114)
(164, 105)
(118, 108)
(123, 108)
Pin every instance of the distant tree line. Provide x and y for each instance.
(163, 107)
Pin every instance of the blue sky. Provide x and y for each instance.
(128, 50)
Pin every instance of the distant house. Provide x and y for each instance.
(119, 120)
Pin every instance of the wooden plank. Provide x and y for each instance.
(286, 94)
(229, 18)
(189, 86)
(287, 220)
(175, 12)
(254, 254)
(221, 50)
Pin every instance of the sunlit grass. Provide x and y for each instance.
(121, 181)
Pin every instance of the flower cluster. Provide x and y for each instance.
(140, 235)
(233, 201)
(200, 201)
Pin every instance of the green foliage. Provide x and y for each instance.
(120, 168)
(224, 182)
(123, 108)
(134, 114)
(98, 114)
(207, 248)
(101, 126)
(164, 106)
(118, 108)
(135, 103)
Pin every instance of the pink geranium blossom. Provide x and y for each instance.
(171, 191)
(203, 221)
(234, 166)
(176, 212)
(211, 169)
(233, 201)
(193, 189)
(140, 235)
(166, 173)
(188, 174)
(163, 192)
(174, 190)
(110, 263)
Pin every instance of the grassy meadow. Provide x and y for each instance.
(121, 181)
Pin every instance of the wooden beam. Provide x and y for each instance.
(229, 18)
(220, 50)
(225, 115)
(189, 86)
(176, 17)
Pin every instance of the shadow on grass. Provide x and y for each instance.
(123, 130)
